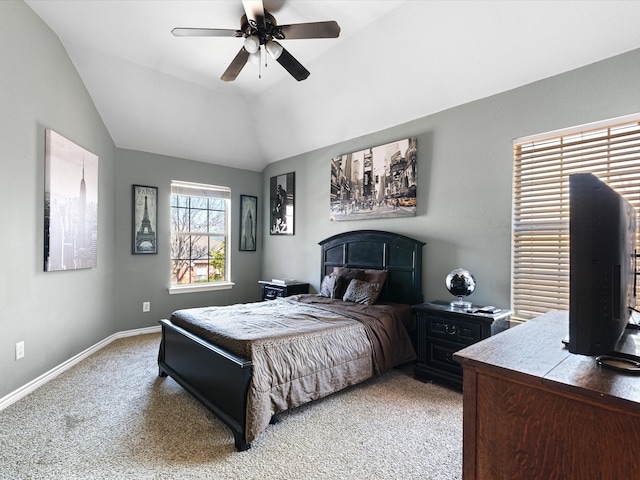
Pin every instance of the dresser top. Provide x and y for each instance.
(533, 352)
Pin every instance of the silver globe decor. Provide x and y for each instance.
(460, 282)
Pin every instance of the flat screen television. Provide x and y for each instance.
(602, 244)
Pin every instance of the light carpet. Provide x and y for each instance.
(111, 416)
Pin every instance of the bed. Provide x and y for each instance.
(266, 357)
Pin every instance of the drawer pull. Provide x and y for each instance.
(450, 329)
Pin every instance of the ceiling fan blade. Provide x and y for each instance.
(329, 29)
(255, 11)
(292, 65)
(205, 32)
(236, 66)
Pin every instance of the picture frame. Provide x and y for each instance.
(248, 223)
(376, 182)
(282, 204)
(144, 240)
(70, 205)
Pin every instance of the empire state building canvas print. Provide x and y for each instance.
(70, 205)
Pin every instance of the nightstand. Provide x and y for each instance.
(273, 290)
(442, 330)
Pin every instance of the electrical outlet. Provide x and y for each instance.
(19, 350)
(146, 306)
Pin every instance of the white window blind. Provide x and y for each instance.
(542, 165)
(199, 190)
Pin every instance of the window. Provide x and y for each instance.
(542, 165)
(199, 236)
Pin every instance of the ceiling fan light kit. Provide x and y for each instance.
(252, 44)
(255, 58)
(274, 49)
(260, 29)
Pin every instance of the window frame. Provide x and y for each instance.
(611, 150)
(200, 190)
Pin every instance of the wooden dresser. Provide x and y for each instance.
(533, 410)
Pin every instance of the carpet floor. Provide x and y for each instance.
(111, 416)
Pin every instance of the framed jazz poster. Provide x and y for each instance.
(282, 204)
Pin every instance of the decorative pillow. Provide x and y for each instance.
(330, 286)
(375, 276)
(360, 291)
(347, 275)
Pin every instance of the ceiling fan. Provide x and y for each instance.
(260, 31)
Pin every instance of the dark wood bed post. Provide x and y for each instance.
(220, 380)
(217, 378)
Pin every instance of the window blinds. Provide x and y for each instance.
(540, 247)
(199, 190)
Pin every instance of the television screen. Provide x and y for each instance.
(602, 245)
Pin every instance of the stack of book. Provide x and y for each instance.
(284, 281)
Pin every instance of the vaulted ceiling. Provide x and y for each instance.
(393, 62)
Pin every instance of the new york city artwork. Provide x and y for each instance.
(377, 182)
(70, 205)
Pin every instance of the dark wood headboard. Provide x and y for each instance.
(401, 256)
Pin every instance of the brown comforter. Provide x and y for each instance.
(303, 347)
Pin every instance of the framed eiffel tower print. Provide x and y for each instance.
(145, 219)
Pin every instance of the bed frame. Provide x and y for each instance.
(220, 380)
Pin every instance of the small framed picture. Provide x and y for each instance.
(248, 223)
(282, 196)
(145, 219)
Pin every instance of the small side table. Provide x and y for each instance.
(273, 290)
(442, 330)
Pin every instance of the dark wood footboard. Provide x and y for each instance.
(215, 377)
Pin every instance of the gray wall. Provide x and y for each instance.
(146, 277)
(56, 314)
(60, 314)
(465, 157)
(464, 198)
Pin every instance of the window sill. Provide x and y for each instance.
(207, 287)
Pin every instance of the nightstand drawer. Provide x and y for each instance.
(440, 355)
(273, 290)
(455, 331)
(270, 293)
(442, 330)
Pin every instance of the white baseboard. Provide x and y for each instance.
(54, 372)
